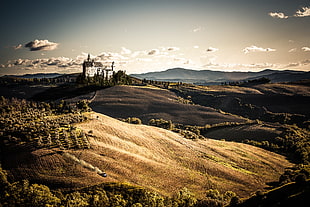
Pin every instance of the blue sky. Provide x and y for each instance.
(154, 35)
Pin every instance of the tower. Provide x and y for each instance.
(88, 58)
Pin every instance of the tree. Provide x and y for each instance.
(185, 198)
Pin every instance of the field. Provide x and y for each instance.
(153, 103)
(151, 157)
(63, 145)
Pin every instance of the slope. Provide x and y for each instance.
(147, 103)
(166, 162)
(154, 158)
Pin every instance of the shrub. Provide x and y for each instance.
(133, 120)
(162, 123)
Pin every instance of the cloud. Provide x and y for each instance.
(293, 50)
(254, 48)
(279, 15)
(298, 64)
(291, 65)
(125, 51)
(38, 45)
(197, 29)
(305, 62)
(238, 66)
(212, 49)
(18, 47)
(306, 49)
(196, 46)
(303, 12)
(173, 48)
(153, 52)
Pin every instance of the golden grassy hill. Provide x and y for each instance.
(160, 159)
(153, 158)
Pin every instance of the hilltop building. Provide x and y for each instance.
(92, 68)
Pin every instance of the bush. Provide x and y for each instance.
(132, 120)
(161, 123)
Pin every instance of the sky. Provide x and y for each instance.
(46, 36)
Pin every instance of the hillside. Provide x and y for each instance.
(148, 103)
(207, 77)
(155, 158)
(267, 102)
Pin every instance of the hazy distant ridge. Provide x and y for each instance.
(214, 77)
(38, 75)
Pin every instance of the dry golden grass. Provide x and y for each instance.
(229, 89)
(162, 160)
(151, 157)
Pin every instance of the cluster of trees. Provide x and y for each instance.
(41, 124)
(164, 84)
(257, 81)
(196, 132)
(118, 78)
(293, 142)
(32, 81)
(23, 193)
(294, 193)
(132, 120)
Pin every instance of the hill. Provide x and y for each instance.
(208, 77)
(151, 157)
(153, 103)
(37, 75)
(266, 102)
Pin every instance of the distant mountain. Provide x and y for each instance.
(38, 75)
(206, 77)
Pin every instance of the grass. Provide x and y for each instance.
(163, 161)
(231, 165)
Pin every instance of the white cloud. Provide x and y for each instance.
(212, 49)
(293, 50)
(254, 48)
(298, 64)
(303, 12)
(291, 65)
(144, 59)
(306, 49)
(18, 46)
(183, 61)
(279, 15)
(197, 29)
(196, 46)
(239, 66)
(125, 51)
(38, 45)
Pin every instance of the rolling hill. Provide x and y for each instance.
(208, 77)
(154, 103)
(151, 157)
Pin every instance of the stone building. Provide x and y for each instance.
(92, 68)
